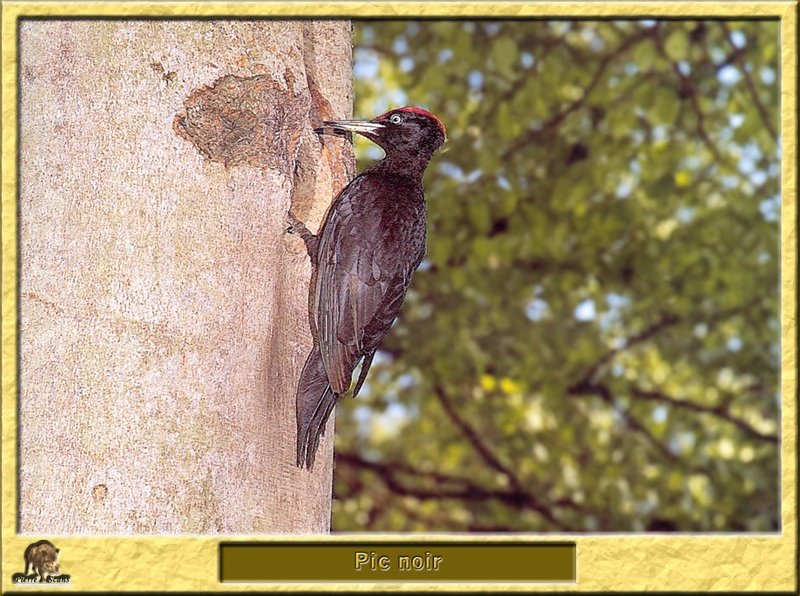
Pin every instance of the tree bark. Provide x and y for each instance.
(163, 312)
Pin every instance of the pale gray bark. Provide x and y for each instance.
(163, 311)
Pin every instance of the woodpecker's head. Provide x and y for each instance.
(403, 130)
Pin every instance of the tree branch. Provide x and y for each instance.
(555, 120)
(526, 78)
(748, 78)
(477, 442)
(464, 489)
(688, 90)
(718, 411)
(491, 459)
(729, 59)
(665, 321)
(604, 393)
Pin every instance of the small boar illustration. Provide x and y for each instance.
(42, 559)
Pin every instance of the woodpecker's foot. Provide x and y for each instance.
(298, 227)
(295, 225)
(291, 223)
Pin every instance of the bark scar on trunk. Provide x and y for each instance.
(243, 120)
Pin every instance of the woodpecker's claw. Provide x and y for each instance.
(295, 225)
(298, 227)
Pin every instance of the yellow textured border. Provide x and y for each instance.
(617, 562)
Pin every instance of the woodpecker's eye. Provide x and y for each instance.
(396, 119)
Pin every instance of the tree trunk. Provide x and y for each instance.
(164, 318)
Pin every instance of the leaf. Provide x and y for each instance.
(677, 45)
(505, 122)
(683, 179)
(644, 56)
(665, 106)
(504, 55)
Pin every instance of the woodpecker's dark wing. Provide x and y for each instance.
(368, 252)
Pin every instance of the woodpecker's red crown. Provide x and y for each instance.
(418, 111)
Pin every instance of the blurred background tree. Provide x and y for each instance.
(593, 341)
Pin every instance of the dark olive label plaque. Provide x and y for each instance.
(397, 562)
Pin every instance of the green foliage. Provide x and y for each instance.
(593, 342)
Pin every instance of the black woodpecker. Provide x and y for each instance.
(363, 258)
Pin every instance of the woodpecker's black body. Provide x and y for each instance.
(364, 256)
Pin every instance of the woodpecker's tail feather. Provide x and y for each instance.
(365, 364)
(315, 402)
